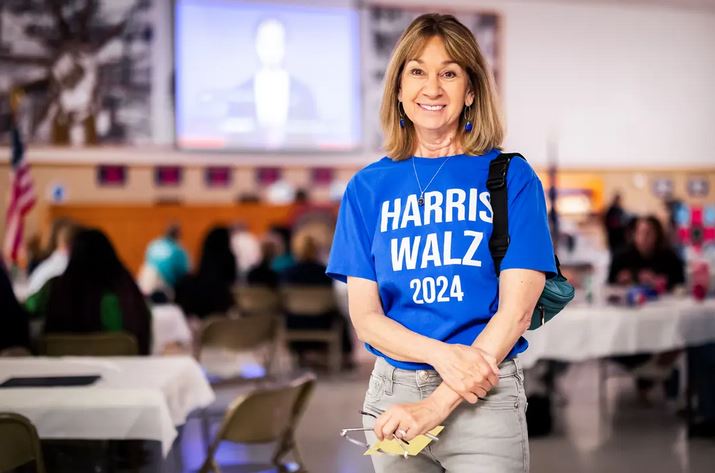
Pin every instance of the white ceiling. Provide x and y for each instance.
(688, 4)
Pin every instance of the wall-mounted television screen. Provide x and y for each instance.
(266, 76)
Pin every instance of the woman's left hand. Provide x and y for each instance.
(407, 421)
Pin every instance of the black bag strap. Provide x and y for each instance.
(496, 185)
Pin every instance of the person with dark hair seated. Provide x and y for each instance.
(14, 321)
(209, 290)
(284, 259)
(647, 261)
(96, 293)
(262, 274)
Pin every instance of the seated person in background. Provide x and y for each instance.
(34, 252)
(95, 294)
(615, 221)
(284, 258)
(308, 271)
(63, 230)
(648, 261)
(14, 321)
(246, 247)
(209, 290)
(165, 263)
(262, 274)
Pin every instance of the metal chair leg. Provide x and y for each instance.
(602, 391)
(206, 429)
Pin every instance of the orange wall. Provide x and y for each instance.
(132, 227)
(81, 188)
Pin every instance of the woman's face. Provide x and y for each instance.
(433, 89)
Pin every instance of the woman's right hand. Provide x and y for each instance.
(467, 370)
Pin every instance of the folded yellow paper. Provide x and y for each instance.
(395, 447)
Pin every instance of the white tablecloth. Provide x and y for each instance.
(586, 332)
(168, 325)
(136, 398)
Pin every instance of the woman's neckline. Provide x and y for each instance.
(453, 156)
(438, 158)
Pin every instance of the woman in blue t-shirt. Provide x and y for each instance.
(412, 244)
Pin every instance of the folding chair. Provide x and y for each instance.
(314, 301)
(262, 416)
(257, 300)
(88, 344)
(19, 443)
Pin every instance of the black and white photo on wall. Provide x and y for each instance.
(84, 68)
(698, 186)
(662, 187)
(382, 28)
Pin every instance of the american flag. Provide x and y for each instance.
(22, 197)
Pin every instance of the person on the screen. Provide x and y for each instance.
(272, 109)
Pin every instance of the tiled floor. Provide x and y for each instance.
(632, 439)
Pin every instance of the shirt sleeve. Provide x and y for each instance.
(351, 253)
(530, 245)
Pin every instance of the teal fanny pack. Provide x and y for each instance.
(558, 292)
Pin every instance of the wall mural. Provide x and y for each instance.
(384, 26)
(84, 67)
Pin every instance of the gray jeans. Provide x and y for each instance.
(487, 437)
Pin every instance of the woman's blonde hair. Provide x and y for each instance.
(488, 130)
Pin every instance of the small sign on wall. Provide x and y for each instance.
(267, 176)
(111, 175)
(218, 176)
(57, 193)
(168, 176)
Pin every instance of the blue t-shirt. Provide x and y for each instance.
(169, 259)
(432, 264)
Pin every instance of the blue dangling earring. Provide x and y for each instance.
(467, 126)
(402, 116)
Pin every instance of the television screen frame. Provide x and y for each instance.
(357, 145)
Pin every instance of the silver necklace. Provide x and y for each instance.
(421, 200)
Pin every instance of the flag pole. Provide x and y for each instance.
(22, 197)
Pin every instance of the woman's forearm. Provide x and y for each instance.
(502, 332)
(394, 339)
(519, 290)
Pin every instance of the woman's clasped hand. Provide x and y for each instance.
(469, 371)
